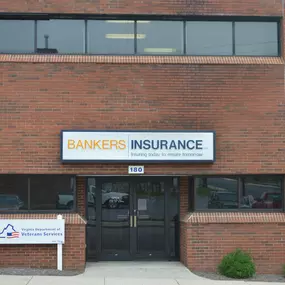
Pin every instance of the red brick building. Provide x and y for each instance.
(192, 66)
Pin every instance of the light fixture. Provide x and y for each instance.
(127, 21)
(160, 50)
(120, 21)
(124, 36)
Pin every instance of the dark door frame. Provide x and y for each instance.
(132, 180)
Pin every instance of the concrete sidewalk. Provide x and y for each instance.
(125, 273)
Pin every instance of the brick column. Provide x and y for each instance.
(81, 195)
(183, 196)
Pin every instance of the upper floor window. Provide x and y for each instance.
(61, 36)
(159, 37)
(256, 38)
(111, 37)
(209, 38)
(141, 37)
(17, 36)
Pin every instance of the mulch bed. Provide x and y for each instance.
(38, 272)
(257, 277)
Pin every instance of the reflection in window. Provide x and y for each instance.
(61, 36)
(209, 38)
(51, 192)
(91, 200)
(173, 216)
(91, 216)
(159, 37)
(115, 215)
(256, 38)
(91, 191)
(216, 193)
(111, 37)
(17, 36)
(13, 192)
(115, 195)
(261, 192)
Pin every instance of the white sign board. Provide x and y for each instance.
(136, 169)
(142, 204)
(31, 231)
(120, 146)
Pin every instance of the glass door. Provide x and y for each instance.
(150, 220)
(115, 206)
(132, 218)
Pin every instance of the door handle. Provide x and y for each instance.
(135, 221)
(131, 221)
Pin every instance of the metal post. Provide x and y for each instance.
(59, 251)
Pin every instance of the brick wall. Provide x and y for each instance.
(207, 7)
(183, 196)
(208, 239)
(243, 103)
(45, 256)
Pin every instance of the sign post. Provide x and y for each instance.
(59, 251)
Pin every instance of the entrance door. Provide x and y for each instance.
(136, 218)
(150, 231)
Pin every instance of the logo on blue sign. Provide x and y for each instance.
(9, 232)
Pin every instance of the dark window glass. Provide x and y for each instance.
(13, 192)
(91, 199)
(216, 193)
(115, 215)
(52, 192)
(256, 38)
(110, 37)
(159, 37)
(173, 216)
(261, 193)
(91, 217)
(17, 36)
(209, 38)
(61, 36)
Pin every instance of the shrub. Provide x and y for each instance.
(237, 264)
(283, 270)
(203, 191)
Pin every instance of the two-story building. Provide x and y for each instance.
(155, 128)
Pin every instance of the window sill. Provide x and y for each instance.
(70, 218)
(234, 218)
(136, 59)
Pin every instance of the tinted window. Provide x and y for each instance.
(216, 193)
(91, 198)
(61, 36)
(51, 192)
(209, 38)
(110, 37)
(13, 192)
(261, 193)
(256, 38)
(17, 36)
(159, 37)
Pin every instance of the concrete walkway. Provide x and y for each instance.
(126, 273)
